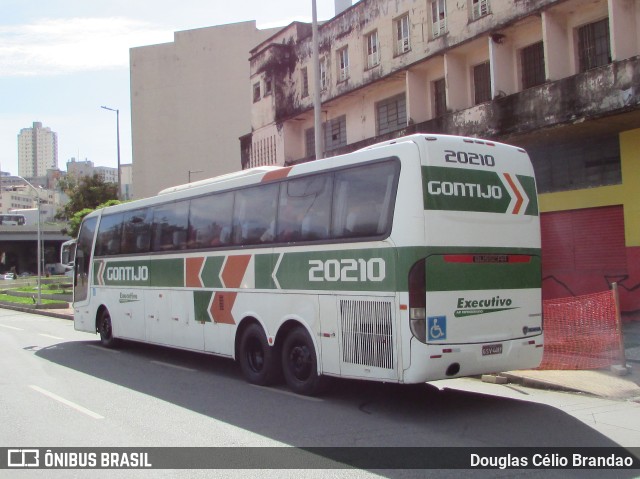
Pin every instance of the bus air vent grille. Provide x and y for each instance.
(367, 335)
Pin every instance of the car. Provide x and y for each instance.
(9, 276)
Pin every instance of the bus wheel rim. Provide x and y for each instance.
(300, 360)
(255, 356)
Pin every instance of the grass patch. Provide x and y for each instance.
(45, 288)
(7, 298)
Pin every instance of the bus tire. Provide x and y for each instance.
(105, 329)
(258, 361)
(300, 364)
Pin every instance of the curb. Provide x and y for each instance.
(43, 312)
(538, 383)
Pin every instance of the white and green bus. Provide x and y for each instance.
(411, 260)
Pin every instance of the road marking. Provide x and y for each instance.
(66, 402)
(102, 348)
(175, 366)
(288, 393)
(11, 327)
(49, 336)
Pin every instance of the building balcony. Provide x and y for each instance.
(596, 94)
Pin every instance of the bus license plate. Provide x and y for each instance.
(489, 349)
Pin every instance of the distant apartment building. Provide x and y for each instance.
(189, 105)
(80, 168)
(16, 196)
(558, 77)
(37, 150)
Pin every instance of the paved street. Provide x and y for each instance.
(60, 388)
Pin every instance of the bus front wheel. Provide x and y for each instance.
(259, 361)
(105, 329)
(300, 364)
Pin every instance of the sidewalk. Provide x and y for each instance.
(601, 383)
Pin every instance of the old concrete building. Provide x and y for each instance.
(558, 77)
(189, 104)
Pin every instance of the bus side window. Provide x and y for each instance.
(170, 223)
(254, 213)
(304, 206)
(135, 232)
(109, 235)
(363, 203)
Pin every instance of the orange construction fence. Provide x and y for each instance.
(582, 332)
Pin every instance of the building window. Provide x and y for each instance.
(391, 114)
(305, 82)
(594, 48)
(268, 86)
(532, 59)
(343, 64)
(401, 27)
(482, 83)
(373, 49)
(438, 18)
(335, 133)
(479, 8)
(310, 142)
(439, 98)
(256, 92)
(324, 74)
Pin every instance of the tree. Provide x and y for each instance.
(85, 195)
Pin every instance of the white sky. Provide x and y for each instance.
(60, 60)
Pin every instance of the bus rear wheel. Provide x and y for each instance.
(105, 329)
(259, 362)
(300, 364)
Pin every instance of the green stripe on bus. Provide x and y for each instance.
(444, 276)
(356, 270)
(211, 272)
(201, 301)
(459, 189)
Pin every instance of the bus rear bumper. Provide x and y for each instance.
(430, 362)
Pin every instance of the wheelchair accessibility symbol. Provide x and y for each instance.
(437, 328)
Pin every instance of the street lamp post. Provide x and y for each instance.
(118, 144)
(39, 248)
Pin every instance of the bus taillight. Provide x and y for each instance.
(417, 301)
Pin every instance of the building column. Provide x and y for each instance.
(418, 102)
(501, 60)
(623, 28)
(457, 82)
(556, 46)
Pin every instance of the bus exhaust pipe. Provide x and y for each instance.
(453, 369)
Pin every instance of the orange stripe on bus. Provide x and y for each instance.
(222, 306)
(192, 273)
(276, 174)
(234, 270)
(519, 199)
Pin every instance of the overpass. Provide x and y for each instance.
(18, 247)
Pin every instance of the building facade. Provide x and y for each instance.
(189, 105)
(558, 77)
(37, 150)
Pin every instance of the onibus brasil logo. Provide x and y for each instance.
(473, 307)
